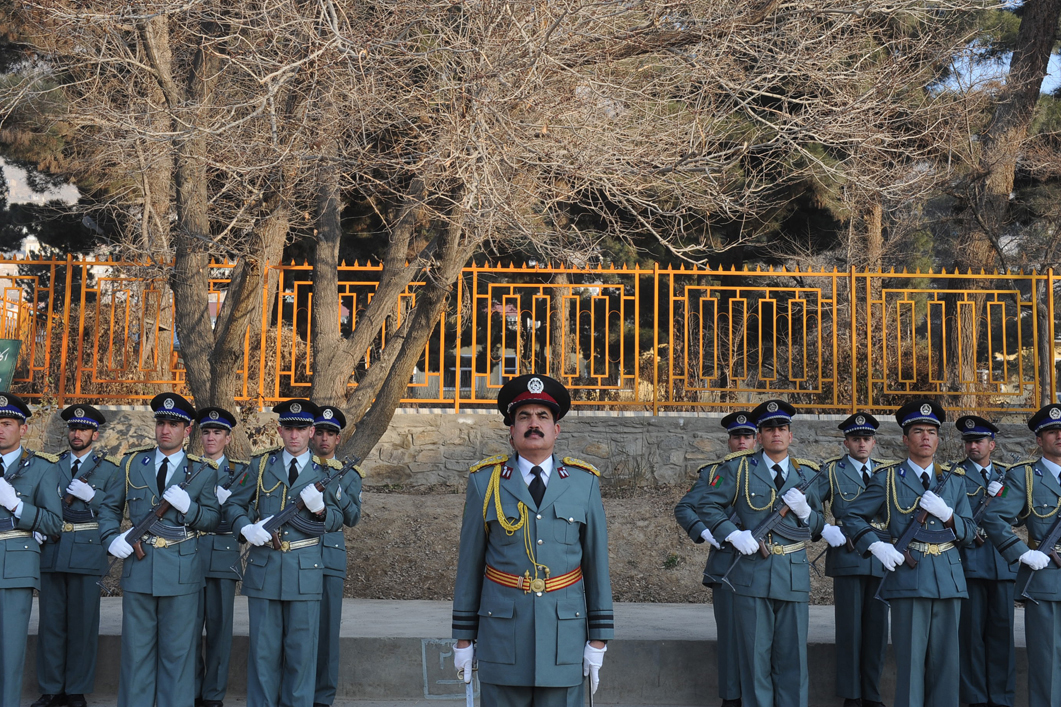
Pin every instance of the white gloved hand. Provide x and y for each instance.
(743, 541)
(255, 534)
(8, 497)
(887, 554)
(592, 660)
(993, 488)
(313, 499)
(79, 489)
(833, 535)
(1035, 559)
(796, 501)
(462, 661)
(936, 506)
(708, 537)
(39, 537)
(178, 498)
(222, 495)
(120, 547)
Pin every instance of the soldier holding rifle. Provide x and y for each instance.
(925, 584)
(1032, 493)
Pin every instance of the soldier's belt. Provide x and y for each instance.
(931, 548)
(12, 534)
(528, 585)
(286, 546)
(159, 543)
(76, 527)
(778, 549)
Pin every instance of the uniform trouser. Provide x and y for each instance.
(988, 657)
(328, 643)
(728, 666)
(1042, 627)
(772, 651)
(924, 636)
(517, 696)
(14, 626)
(158, 650)
(861, 637)
(211, 660)
(281, 665)
(68, 633)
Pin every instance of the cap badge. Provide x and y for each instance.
(214, 415)
(79, 412)
(296, 408)
(328, 414)
(926, 409)
(168, 403)
(741, 419)
(860, 420)
(969, 424)
(3, 400)
(771, 407)
(1055, 413)
(535, 385)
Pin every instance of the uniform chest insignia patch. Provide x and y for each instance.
(562, 472)
(902, 472)
(243, 478)
(1038, 472)
(506, 472)
(841, 464)
(272, 459)
(754, 461)
(716, 481)
(145, 460)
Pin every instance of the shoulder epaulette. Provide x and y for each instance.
(197, 459)
(585, 466)
(734, 455)
(884, 462)
(242, 462)
(833, 460)
(136, 450)
(1024, 462)
(709, 465)
(360, 471)
(884, 466)
(952, 468)
(809, 463)
(492, 461)
(116, 461)
(334, 463)
(53, 458)
(267, 450)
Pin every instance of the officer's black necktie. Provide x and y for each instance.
(537, 486)
(1, 467)
(292, 473)
(74, 467)
(779, 476)
(865, 475)
(163, 472)
(924, 480)
(986, 474)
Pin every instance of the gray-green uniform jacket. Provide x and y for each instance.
(524, 637)
(895, 492)
(34, 480)
(176, 568)
(689, 512)
(297, 575)
(348, 497)
(220, 548)
(81, 551)
(843, 484)
(745, 483)
(983, 561)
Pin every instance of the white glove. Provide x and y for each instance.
(993, 488)
(39, 537)
(592, 660)
(1035, 559)
(833, 535)
(936, 506)
(795, 500)
(79, 489)
(178, 498)
(708, 537)
(120, 547)
(462, 661)
(313, 498)
(256, 534)
(887, 554)
(743, 541)
(8, 497)
(222, 495)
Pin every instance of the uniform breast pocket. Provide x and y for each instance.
(311, 573)
(496, 641)
(570, 520)
(570, 632)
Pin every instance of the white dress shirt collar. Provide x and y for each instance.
(525, 467)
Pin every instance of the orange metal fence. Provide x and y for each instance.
(647, 339)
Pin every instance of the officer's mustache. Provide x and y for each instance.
(528, 433)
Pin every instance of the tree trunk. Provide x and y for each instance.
(560, 307)
(874, 235)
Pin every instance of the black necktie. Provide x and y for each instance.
(163, 472)
(779, 476)
(74, 467)
(537, 486)
(986, 474)
(865, 475)
(292, 473)
(924, 480)
(1, 467)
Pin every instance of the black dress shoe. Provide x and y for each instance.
(76, 701)
(50, 701)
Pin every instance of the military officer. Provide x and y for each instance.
(160, 592)
(741, 437)
(926, 600)
(532, 590)
(284, 576)
(771, 593)
(1031, 493)
(988, 656)
(29, 512)
(861, 622)
(72, 564)
(329, 426)
(220, 553)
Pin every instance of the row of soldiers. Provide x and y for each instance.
(61, 530)
(950, 591)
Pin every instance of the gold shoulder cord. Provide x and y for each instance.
(492, 489)
(895, 497)
(258, 491)
(747, 492)
(1031, 504)
(834, 487)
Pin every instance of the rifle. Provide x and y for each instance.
(69, 498)
(1049, 541)
(768, 524)
(903, 544)
(981, 510)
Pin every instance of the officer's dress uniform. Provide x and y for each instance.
(160, 593)
(925, 600)
(284, 586)
(348, 497)
(988, 655)
(770, 594)
(688, 513)
(220, 552)
(35, 478)
(861, 622)
(532, 579)
(1033, 494)
(72, 563)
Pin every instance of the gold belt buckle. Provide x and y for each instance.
(932, 549)
(285, 546)
(777, 549)
(537, 585)
(160, 542)
(68, 527)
